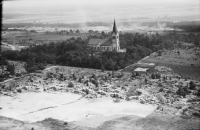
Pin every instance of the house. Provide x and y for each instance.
(110, 44)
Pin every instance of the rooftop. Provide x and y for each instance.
(101, 42)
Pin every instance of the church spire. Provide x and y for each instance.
(114, 28)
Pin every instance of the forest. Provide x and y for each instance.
(75, 52)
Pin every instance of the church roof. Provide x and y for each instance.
(96, 41)
(108, 42)
(101, 42)
(114, 28)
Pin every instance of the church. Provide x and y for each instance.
(110, 44)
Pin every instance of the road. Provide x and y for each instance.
(139, 62)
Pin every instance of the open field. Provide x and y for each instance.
(187, 63)
(68, 107)
(35, 36)
(51, 37)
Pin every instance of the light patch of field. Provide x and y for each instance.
(68, 107)
(5, 48)
(13, 37)
(52, 37)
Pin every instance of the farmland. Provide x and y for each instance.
(186, 62)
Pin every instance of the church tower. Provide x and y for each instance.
(115, 38)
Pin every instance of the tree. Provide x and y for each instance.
(77, 31)
(11, 69)
(102, 68)
(192, 85)
(30, 65)
(3, 61)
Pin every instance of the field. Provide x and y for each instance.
(5, 48)
(11, 35)
(185, 62)
(51, 37)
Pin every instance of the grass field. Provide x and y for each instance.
(52, 37)
(186, 64)
(37, 36)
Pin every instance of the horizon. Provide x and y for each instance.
(78, 11)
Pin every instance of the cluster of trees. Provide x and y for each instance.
(158, 41)
(10, 68)
(63, 32)
(185, 25)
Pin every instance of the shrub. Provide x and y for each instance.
(153, 76)
(182, 91)
(137, 74)
(71, 85)
(158, 76)
(95, 83)
(192, 85)
(11, 69)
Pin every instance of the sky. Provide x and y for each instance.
(90, 10)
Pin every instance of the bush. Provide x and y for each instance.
(3, 61)
(198, 93)
(71, 85)
(133, 75)
(95, 83)
(11, 69)
(158, 76)
(192, 85)
(182, 91)
(41, 66)
(137, 74)
(153, 76)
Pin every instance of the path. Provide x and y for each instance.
(11, 46)
(139, 62)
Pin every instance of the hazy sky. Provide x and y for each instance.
(103, 9)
